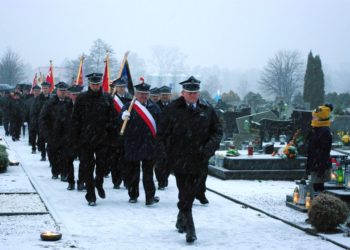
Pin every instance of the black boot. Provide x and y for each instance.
(101, 192)
(190, 230)
(180, 223)
(71, 186)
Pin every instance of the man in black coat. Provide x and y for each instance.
(16, 115)
(35, 109)
(32, 135)
(139, 144)
(116, 157)
(94, 129)
(161, 171)
(189, 133)
(70, 151)
(54, 123)
(6, 113)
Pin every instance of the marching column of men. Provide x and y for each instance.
(161, 135)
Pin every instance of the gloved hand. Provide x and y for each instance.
(125, 114)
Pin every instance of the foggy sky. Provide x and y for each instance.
(235, 34)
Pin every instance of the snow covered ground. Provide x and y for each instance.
(116, 224)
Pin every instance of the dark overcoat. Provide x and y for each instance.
(187, 138)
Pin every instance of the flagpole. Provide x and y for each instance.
(133, 99)
(53, 78)
(108, 71)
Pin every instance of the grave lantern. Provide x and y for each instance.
(296, 196)
(347, 175)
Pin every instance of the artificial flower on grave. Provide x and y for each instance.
(288, 152)
(345, 139)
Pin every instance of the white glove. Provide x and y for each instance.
(125, 115)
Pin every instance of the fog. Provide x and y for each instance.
(236, 35)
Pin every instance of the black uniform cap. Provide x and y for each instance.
(94, 78)
(45, 84)
(154, 91)
(75, 89)
(36, 87)
(121, 82)
(61, 86)
(143, 87)
(191, 84)
(165, 90)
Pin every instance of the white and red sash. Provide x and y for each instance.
(118, 104)
(146, 116)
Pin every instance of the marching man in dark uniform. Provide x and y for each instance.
(154, 94)
(161, 171)
(34, 119)
(139, 144)
(31, 128)
(94, 129)
(117, 155)
(165, 97)
(189, 132)
(16, 115)
(70, 152)
(54, 124)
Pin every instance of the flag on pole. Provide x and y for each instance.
(35, 82)
(105, 81)
(50, 77)
(124, 72)
(80, 75)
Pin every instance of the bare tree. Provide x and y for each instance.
(137, 66)
(283, 75)
(168, 60)
(94, 62)
(11, 68)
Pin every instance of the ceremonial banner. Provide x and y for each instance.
(50, 77)
(105, 81)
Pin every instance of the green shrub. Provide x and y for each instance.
(2, 148)
(327, 212)
(4, 159)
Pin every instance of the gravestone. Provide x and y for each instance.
(301, 120)
(228, 120)
(253, 117)
(341, 123)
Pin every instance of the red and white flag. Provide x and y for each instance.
(146, 116)
(35, 82)
(50, 78)
(118, 104)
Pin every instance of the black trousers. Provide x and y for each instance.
(42, 145)
(15, 128)
(162, 173)
(190, 186)
(6, 122)
(33, 137)
(88, 158)
(133, 178)
(118, 167)
(70, 171)
(58, 160)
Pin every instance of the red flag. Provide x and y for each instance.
(80, 78)
(50, 78)
(105, 81)
(35, 82)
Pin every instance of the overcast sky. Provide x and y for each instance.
(236, 34)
